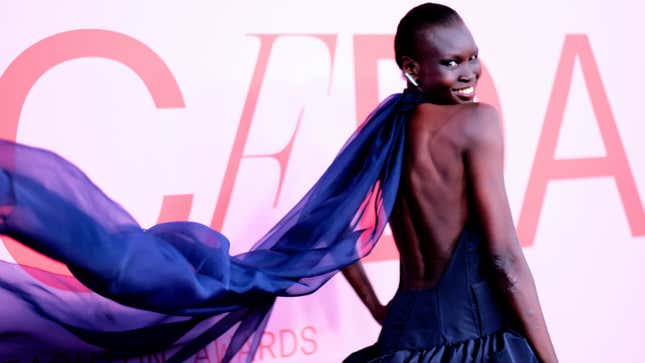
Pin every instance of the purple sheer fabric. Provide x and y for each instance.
(174, 287)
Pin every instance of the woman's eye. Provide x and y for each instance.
(451, 63)
(473, 57)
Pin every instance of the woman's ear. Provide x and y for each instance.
(409, 66)
(410, 70)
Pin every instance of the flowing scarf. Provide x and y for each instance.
(174, 286)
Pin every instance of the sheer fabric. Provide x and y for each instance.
(174, 286)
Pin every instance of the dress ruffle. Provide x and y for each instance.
(504, 346)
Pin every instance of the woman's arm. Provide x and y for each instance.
(484, 163)
(355, 275)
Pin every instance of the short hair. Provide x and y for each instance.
(420, 17)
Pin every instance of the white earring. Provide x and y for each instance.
(411, 79)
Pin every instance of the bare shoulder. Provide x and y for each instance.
(481, 125)
(473, 122)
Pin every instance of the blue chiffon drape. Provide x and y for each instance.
(174, 286)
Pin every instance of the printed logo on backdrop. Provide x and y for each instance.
(275, 345)
(30, 65)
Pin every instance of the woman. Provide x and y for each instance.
(175, 287)
(451, 221)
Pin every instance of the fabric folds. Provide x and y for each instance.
(501, 347)
(174, 286)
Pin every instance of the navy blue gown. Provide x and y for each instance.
(460, 319)
(175, 288)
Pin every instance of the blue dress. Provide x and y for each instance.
(175, 288)
(460, 319)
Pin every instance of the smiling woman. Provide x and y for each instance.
(461, 263)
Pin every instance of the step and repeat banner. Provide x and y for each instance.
(226, 112)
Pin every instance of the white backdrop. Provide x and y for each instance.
(152, 99)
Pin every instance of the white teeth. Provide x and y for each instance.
(466, 91)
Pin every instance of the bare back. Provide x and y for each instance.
(432, 204)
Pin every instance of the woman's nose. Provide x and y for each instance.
(468, 74)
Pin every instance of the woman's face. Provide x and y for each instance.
(447, 67)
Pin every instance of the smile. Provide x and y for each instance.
(468, 91)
